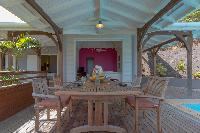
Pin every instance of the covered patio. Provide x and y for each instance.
(76, 38)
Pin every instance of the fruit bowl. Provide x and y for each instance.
(101, 78)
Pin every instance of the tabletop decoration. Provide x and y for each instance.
(97, 74)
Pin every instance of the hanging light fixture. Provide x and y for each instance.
(99, 25)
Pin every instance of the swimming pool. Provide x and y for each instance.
(192, 106)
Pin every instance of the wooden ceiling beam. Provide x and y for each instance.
(57, 29)
(161, 13)
(97, 8)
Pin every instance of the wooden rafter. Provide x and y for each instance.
(57, 30)
(161, 13)
(161, 44)
(180, 35)
(97, 9)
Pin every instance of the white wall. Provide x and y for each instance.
(69, 59)
(128, 50)
(32, 63)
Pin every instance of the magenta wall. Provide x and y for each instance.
(107, 59)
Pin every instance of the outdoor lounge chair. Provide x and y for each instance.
(153, 95)
(45, 101)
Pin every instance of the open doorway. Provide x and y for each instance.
(49, 63)
(107, 54)
(90, 65)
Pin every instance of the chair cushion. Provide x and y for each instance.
(142, 102)
(54, 103)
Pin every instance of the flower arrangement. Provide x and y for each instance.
(97, 73)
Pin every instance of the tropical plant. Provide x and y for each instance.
(161, 69)
(197, 75)
(19, 45)
(181, 66)
(9, 78)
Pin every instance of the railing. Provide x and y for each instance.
(8, 78)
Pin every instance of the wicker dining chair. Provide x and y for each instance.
(152, 97)
(45, 101)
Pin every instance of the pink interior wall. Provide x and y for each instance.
(107, 59)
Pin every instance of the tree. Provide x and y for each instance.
(19, 45)
(192, 17)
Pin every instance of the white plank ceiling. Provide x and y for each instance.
(119, 16)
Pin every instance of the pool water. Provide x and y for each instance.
(192, 106)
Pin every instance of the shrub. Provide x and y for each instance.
(161, 70)
(197, 75)
(181, 66)
(10, 79)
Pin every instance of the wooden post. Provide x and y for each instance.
(154, 63)
(60, 64)
(140, 36)
(189, 64)
(1, 58)
(154, 52)
(39, 59)
(60, 59)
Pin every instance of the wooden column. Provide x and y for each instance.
(1, 58)
(38, 52)
(60, 60)
(154, 52)
(140, 36)
(189, 63)
(9, 52)
(154, 62)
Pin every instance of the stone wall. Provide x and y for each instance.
(169, 58)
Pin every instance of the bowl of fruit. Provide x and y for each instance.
(97, 73)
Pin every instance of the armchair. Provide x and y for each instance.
(152, 97)
(43, 100)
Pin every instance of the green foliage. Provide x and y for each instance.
(181, 66)
(197, 75)
(161, 70)
(9, 78)
(19, 45)
(192, 17)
